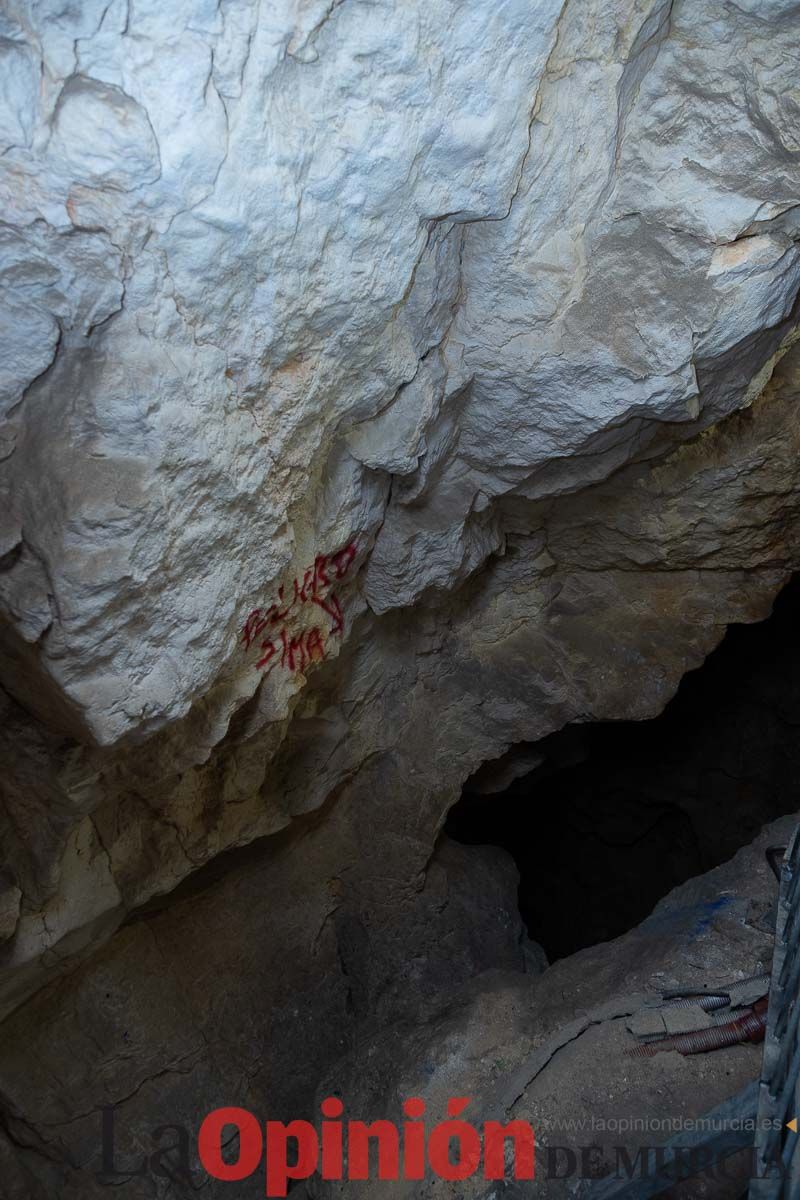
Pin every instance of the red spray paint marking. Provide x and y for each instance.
(270, 653)
(252, 627)
(315, 645)
(334, 610)
(343, 560)
(298, 650)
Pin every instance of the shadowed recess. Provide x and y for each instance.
(616, 814)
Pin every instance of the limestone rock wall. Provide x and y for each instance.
(382, 385)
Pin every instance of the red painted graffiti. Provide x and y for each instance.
(333, 608)
(298, 650)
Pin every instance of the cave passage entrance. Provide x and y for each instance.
(616, 814)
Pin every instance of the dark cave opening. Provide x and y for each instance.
(614, 815)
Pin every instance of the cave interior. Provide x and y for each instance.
(618, 813)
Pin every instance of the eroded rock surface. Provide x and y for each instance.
(203, 1001)
(382, 386)
(554, 1051)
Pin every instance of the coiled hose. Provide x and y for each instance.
(711, 1001)
(748, 1028)
(706, 1001)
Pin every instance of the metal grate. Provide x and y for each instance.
(778, 1146)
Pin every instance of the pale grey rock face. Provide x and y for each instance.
(397, 317)
(625, 272)
(270, 185)
(270, 261)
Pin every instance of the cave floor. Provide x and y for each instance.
(553, 1050)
